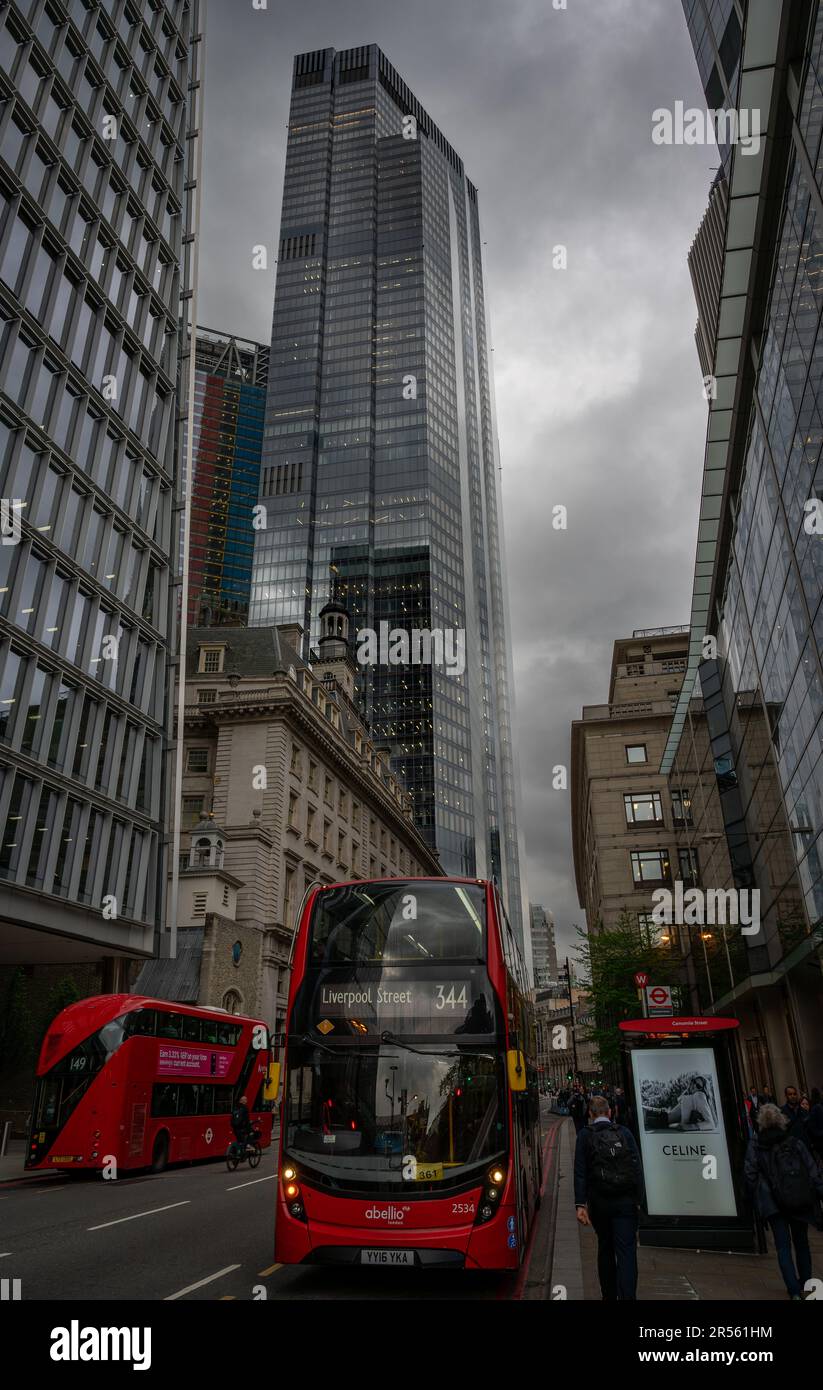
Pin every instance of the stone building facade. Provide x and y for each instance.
(632, 827)
(283, 788)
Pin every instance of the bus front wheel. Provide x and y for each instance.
(160, 1153)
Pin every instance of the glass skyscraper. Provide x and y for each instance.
(758, 588)
(97, 181)
(229, 408)
(380, 449)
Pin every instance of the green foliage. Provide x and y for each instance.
(24, 1018)
(610, 959)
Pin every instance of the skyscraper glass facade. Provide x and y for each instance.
(380, 452)
(759, 573)
(97, 176)
(229, 407)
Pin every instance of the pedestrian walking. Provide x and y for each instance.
(608, 1185)
(578, 1108)
(794, 1113)
(786, 1186)
(620, 1107)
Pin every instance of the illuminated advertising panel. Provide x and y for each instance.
(682, 1137)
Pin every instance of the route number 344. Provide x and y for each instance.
(450, 1000)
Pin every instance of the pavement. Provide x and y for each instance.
(664, 1274)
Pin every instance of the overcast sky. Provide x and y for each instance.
(599, 395)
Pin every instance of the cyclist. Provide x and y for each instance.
(241, 1123)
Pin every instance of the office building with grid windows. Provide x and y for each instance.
(97, 184)
(380, 449)
(758, 585)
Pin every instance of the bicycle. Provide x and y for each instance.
(249, 1152)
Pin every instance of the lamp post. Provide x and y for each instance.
(571, 1014)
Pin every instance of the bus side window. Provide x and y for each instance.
(209, 1031)
(222, 1100)
(186, 1100)
(191, 1028)
(164, 1099)
(205, 1100)
(168, 1025)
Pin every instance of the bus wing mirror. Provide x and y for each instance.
(516, 1064)
(272, 1085)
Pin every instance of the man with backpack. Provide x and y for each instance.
(608, 1185)
(786, 1185)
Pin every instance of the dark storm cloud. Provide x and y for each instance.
(598, 388)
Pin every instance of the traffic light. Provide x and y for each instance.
(569, 1075)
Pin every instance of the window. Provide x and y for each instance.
(650, 866)
(656, 933)
(288, 898)
(200, 901)
(682, 806)
(643, 808)
(636, 753)
(206, 697)
(313, 776)
(327, 791)
(689, 871)
(211, 659)
(232, 1001)
(311, 825)
(293, 804)
(9, 693)
(197, 760)
(295, 765)
(327, 837)
(37, 702)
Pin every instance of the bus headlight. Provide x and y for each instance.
(490, 1198)
(292, 1190)
(289, 1174)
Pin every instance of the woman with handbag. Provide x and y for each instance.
(786, 1186)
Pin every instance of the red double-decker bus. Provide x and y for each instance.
(410, 1130)
(144, 1081)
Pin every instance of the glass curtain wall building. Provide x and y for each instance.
(759, 572)
(229, 407)
(380, 450)
(97, 180)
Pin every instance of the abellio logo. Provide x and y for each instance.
(394, 1215)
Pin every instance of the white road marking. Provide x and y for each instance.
(136, 1215)
(270, 1178)
(191, 1287)
(4, 1254)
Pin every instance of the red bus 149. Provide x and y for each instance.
(410, 1127)
(144, 1081)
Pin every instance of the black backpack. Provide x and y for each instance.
(614, 1165)
(788, 1177)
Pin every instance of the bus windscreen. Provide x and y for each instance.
(399, 922)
